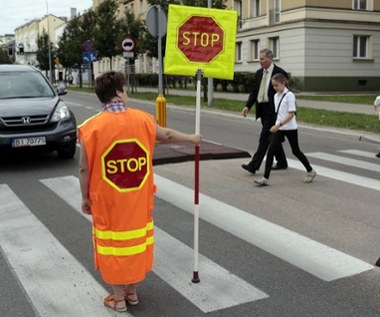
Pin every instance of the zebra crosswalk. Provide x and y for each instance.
(59, 285)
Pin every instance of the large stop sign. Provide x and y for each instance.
(200, 39)
(125, 165)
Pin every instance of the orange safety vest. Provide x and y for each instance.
(119, 148)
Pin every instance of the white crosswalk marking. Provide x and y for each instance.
(219, 288)
(362, 154)
(311, 256)
(339, 175)
(36, 256)
(344, 161)
(56, 283)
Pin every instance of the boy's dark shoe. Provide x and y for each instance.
(248, 168)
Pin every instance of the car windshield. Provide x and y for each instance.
(24, 85)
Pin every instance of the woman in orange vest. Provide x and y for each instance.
(116, 180)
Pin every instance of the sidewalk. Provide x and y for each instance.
(174, 153)
(239, 97)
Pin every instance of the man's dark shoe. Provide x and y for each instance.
(276, 168)
(378, 155)
(248, 168)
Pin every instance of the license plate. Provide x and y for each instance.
(37, 141)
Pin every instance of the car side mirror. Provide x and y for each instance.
(61, 91)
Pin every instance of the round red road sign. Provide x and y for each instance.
(200, 39)
(126, 165)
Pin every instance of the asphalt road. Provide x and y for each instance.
(288, 249)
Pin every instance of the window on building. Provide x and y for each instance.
(274, 11)
(361, 46)
(239, 9)
(255, 8)
(254, 50)
(360, 4)
(277, 11)
(274, 45)
(238, 52)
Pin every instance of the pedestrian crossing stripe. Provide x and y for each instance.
(55, 282)
(311, 256)
(25, 258)
(219, 288)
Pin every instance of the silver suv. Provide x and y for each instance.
(32, 115)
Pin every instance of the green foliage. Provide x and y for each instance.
(72, 41)
(134, 28)
(4, 58)
(42, 54)
(107, 29)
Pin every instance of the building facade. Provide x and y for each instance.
(27, 34)
(325, 45)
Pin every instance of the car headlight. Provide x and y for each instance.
(61, 113)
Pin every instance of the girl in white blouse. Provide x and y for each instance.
(285, 126)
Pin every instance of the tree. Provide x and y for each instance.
(134, 28)
(4, 58)
(71, 45)
(42, 54)
(217, 4)
(107, 29)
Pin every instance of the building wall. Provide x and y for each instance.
(316, 40)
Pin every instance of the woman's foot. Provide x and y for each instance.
(131, 295)
(115, 304)
(310, 176)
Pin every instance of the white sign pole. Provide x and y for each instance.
(195, 278)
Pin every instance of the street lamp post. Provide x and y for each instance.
(49, 48)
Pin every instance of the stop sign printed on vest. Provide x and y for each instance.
(125, 165)
(203, 43)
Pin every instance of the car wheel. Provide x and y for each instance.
(67, 151)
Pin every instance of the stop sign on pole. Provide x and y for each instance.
(203, 43)
(203, 39)
(125, 165)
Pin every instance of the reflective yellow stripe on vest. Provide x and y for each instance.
(125, 251)
(124, 235)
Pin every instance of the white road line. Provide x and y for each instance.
(345, 161)
(56, 284)
(339, 175)
(218, 289)
(311, 256)
(360, 153)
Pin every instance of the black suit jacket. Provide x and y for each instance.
(252, 99)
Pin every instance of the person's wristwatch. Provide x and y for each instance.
(281, 124)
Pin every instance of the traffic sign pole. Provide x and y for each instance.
(156, 23)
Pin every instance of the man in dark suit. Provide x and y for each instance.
(262, 95)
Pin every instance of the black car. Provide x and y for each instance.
(32, 115)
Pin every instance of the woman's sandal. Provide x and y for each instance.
(131, 298)
(118, 305)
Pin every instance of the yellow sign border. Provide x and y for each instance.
(221, 66)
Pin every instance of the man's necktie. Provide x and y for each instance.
(263, 84)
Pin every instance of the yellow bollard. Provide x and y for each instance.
(161, 111)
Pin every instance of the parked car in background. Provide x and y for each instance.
(32, 115)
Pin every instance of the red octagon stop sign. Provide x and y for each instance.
(200, 39)
(125, 165)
